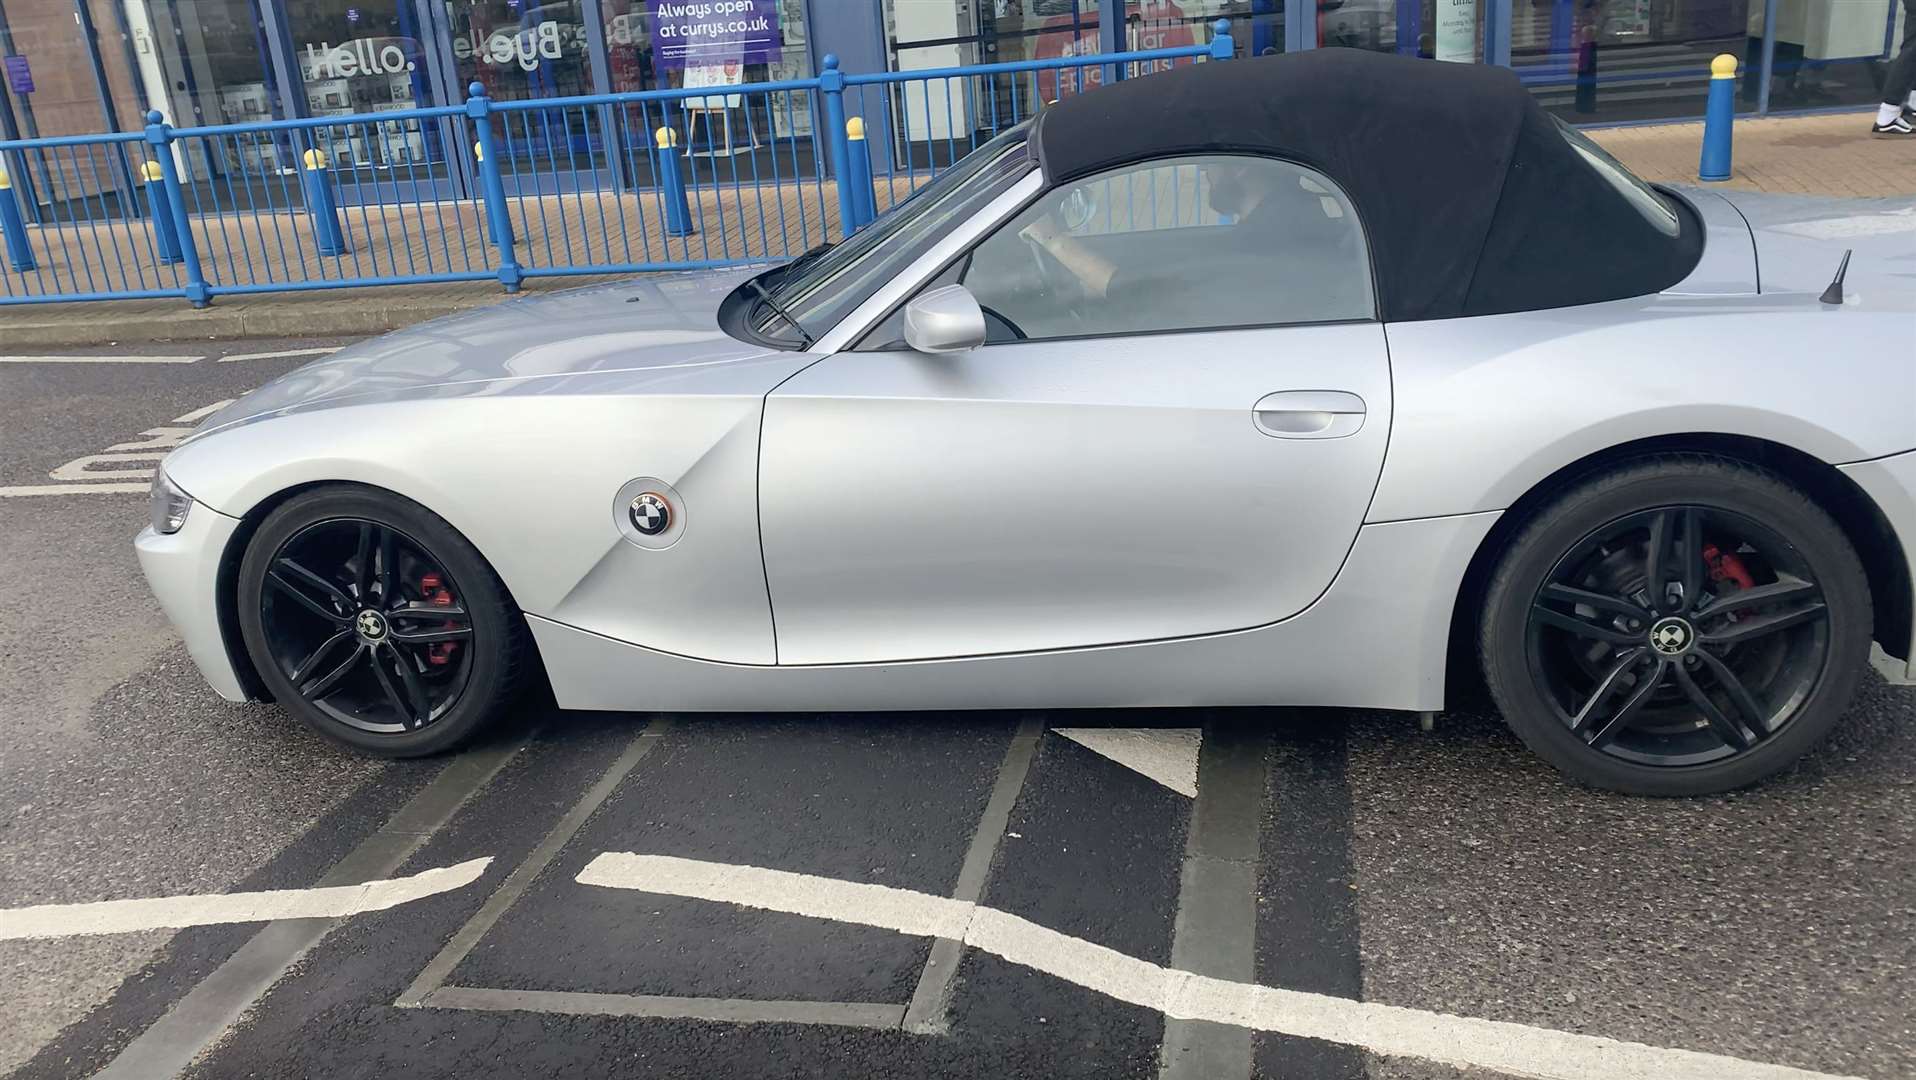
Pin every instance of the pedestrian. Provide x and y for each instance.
(1896, 117)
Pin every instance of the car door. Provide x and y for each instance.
(1145, 447)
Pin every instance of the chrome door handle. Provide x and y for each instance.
(1309, 414)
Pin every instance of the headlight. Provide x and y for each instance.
(167, 504)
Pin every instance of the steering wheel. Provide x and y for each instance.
(1056, 283)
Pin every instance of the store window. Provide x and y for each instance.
(49, 88)
(1257, 26)
(1609, 60)
(1829, 52)
(934, 122)
(523, 50)
(365, 56)
(520, 49)
(209, 62)
(716, 45)
(203, 61)
(1433, 29)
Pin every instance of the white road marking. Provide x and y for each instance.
(282, 354)
(1167, 755)
(24, 490)
(85, 468)
(1464, 1042)
(100, 359)
(153, 445)
(159, 438)
(203, 411)
(169, 912)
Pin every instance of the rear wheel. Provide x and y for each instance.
(1682, 625)
(376, 623)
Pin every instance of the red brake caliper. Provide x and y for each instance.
(1726, 567)
(433, 588)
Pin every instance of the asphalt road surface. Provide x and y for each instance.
(951, 894)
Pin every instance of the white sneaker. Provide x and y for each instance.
(1899, 128)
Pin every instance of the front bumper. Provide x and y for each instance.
(183, 571)
(1891, 482)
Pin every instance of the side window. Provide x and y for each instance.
(1186, 243)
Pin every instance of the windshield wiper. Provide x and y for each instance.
(809, 254)
(765, 294)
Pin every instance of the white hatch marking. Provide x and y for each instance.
(172, 912)
(107, 466)
(1167, 755)
(126, 461)
(204, 411)
(280, 355)
(100, 359)
(23, 490)
(1461, 1041)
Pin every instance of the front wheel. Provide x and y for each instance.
(1681, 625)
(372, 620)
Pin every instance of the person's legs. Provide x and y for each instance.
(1899, 85)
(1909, 52)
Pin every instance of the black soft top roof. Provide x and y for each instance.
(1473, 200)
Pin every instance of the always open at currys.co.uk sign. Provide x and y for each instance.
(702, 32)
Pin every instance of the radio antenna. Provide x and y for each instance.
(1834, 294)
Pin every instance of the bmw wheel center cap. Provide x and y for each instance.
(1672, 636)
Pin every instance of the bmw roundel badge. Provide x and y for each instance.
(651, 514)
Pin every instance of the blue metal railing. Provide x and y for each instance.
(507, 190)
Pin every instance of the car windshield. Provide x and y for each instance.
(821, 287)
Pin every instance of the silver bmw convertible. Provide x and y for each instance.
(1329, 379)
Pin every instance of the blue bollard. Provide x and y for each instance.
(166, 242)
(328, 237)
(864, 197)
(678, 212)
(1718, 118)
(19, 253)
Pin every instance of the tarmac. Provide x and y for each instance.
(1823, 154)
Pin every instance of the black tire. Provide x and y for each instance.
(1720, 694)
(429, 678)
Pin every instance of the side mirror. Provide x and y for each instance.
(944, 320)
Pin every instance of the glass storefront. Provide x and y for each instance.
(1630, 59)
(364, 56)
(939, 117)
(1828, 51)
(230, 61)
(72, 77)
(762, 135)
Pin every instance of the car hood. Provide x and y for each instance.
(660, 323)
(1800, 239)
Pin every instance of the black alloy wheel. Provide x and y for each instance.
(376, 623)
(1684, 625)
(1657, 621)
(365, 626)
